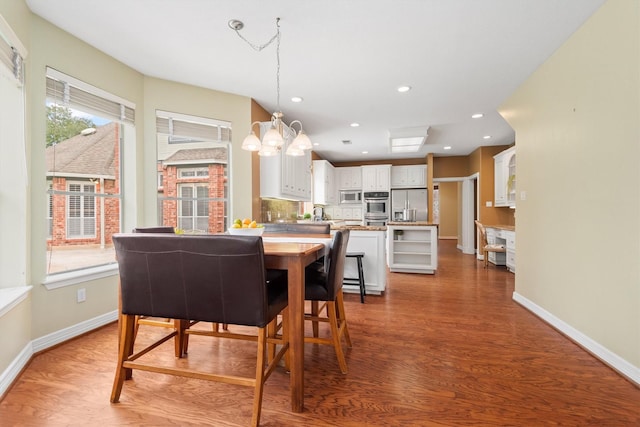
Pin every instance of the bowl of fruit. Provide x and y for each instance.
(246, 227)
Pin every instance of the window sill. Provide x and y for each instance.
(61, 280)
(10, 297)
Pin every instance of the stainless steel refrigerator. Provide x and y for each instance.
(415, 198)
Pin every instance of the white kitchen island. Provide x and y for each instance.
(371, 241)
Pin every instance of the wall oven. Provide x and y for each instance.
(350, 197)
(376, 208)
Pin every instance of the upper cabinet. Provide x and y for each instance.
(349, 178)
(409, 176)
(285, 177)
(376, 178)
(324, 183)
(504, 176)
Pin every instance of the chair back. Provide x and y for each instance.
(483, 233)
(337, 256)
(214, 278)
(297, 228)
(158, 229)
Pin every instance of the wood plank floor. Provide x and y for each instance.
(451, 349)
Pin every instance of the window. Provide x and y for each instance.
(13, 170)
(81, 212)
(193, 172)
(86, 131)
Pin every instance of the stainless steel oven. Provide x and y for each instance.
(376, 208)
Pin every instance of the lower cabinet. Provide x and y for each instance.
(506, 238)
(412, 249)
(372, 243)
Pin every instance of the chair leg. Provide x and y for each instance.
(335, 333)
(363, 291)
(314, 313)
(259, 384)
(125, 349)
(342, 318)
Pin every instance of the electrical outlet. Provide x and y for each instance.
(82, 295)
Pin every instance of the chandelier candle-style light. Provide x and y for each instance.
(273, 141)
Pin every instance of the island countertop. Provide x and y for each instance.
(358, 227)
(502, 227)
(411, 224)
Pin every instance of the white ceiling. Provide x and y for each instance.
(345, 58)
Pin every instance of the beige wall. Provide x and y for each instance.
(577, 123)
(177, 97)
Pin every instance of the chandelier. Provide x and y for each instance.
(273, 140)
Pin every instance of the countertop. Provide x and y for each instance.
(502, 227)
(411, 224)
(359, 227)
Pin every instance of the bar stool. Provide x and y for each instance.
(360, 279)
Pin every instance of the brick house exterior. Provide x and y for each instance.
(214, 161)
(86, 161)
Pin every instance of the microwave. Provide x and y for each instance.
(350, 197)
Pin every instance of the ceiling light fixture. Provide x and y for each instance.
(486, 137)
(354, 125)
(477, 115)
(403, 89)
(296, 99)
(273, 141)
(448, 147)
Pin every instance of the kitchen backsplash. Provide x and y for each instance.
(273, 210)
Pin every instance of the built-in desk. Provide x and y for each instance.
(503, 235)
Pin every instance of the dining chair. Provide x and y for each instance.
(211, 278)
(154, 321)
(485, 246)
(326, 287)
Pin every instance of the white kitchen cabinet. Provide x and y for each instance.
(286, 177)
(376, 178)
(409, 176)
(412, 248)
(510, 237)
(372, 243)
(504, 178)
(324, 183)
(349, 178)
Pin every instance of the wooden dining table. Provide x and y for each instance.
(286, 252)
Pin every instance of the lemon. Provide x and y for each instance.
(236, 225)
(238, 222)
(253, 224)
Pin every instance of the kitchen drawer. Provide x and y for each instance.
(511, 260)
(510, 236)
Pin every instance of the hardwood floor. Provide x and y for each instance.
(451, 349)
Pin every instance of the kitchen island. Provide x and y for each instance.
(412, 247)
(371, 241)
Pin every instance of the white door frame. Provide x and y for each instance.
(469, 210)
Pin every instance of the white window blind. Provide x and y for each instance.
(11, 51)
(75, 94)
(182, 128)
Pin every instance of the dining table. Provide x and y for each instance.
(293, 252)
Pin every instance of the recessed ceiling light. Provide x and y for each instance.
(402, 89)
(365, 152)
(486, 137)
(296, 99)
(477, 115)
(448, 147)
(354, 125)
(316, 143)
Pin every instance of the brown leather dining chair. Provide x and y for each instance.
(152, 321)
(326, 287)
(210, 278)
(485, 246)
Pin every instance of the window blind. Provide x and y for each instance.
(180, 129)
(10, 56)
(66, 91)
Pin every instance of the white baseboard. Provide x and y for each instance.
(617, 363)
(13, 370)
